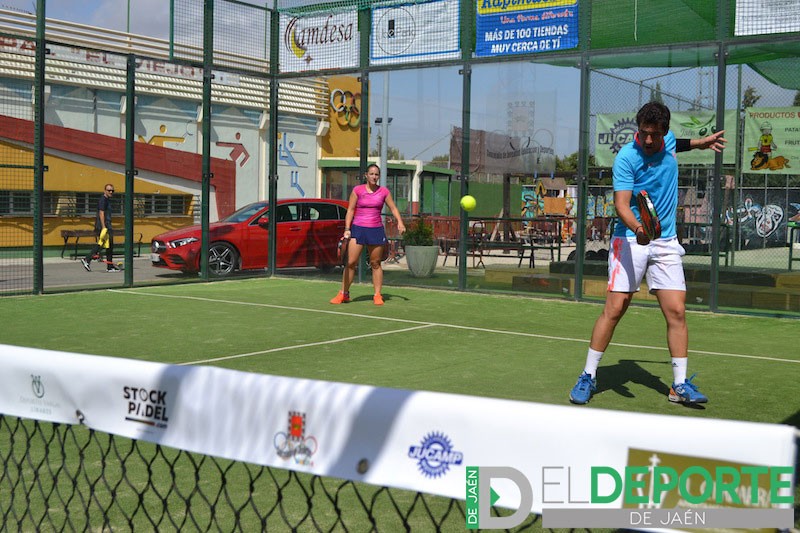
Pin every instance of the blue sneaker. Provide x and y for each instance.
(686, 393)
(583, 389)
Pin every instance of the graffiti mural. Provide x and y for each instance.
(762, 218)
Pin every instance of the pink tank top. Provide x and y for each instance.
(369, 206)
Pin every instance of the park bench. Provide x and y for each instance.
(72, 237)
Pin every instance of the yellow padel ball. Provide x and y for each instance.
(468, 203)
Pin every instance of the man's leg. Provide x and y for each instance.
(673, 306)
(110, 250)
(86, 260)
(613, 311)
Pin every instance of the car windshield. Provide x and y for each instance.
(246, 212)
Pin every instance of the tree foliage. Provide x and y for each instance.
(750, 97)
(392, 153)
(655, 94)
(442, 160)
(569, 163)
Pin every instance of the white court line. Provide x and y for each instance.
(454, 326)
(273, 350)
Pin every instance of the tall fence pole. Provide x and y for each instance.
(272, 176)
(38, 151)
(205, 192)
(130, 168)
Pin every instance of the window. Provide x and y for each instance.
(323, 212)
(161, 204)
(16, 203)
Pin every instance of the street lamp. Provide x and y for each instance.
(383, 147)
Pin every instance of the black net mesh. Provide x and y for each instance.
(58, 477)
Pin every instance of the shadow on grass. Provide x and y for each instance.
(386, 297)
(617, 377)
(793, 420)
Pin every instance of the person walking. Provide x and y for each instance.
(104, 232)
(647, 163)
(364, 227)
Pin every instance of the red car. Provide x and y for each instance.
(308, 231)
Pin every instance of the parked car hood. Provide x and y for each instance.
(217, 230)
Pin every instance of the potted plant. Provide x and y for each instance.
(421, 251)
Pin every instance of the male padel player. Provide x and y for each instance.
(104, 232)
(649, 163)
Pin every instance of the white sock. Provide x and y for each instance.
(592, 362)
(679, 369)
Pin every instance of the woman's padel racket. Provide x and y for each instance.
(341, 251)
(647, 212)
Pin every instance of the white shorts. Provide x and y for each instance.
(661, 260)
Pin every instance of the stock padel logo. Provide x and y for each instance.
(294, 443)
(435, 454)
(146, 406)
(619, 135)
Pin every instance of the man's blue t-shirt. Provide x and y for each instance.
(657, 174)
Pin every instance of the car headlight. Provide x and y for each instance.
(182, 242)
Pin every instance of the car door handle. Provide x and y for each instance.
(294, 229)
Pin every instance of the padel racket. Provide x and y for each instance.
(341, 250)
(647, 212)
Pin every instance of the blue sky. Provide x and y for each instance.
(148, 17)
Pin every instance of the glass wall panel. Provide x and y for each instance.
(523, 162)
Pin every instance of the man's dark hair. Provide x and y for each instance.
(654, 113)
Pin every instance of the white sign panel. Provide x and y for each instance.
(422, 441)
(414, 32)
(319, 42)
(756, 17)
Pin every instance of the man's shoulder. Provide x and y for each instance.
(628, 151)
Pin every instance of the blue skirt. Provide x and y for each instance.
(368, 236)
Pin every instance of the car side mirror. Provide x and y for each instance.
(263, 221)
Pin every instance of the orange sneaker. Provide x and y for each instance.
(377, 299)
(340, 298)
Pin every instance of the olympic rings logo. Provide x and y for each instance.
(346, 105)
(299, 449)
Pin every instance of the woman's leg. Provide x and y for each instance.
(353, 254)
(375, 259)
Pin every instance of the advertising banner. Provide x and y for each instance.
(771, 140)
(319, 42)
(615, 130)
(495, 152)
(756, 17)
(422, 441)
(523, 27)
(415, 32)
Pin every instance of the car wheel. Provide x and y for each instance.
(222, 259)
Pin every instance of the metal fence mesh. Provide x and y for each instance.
(59, 477)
